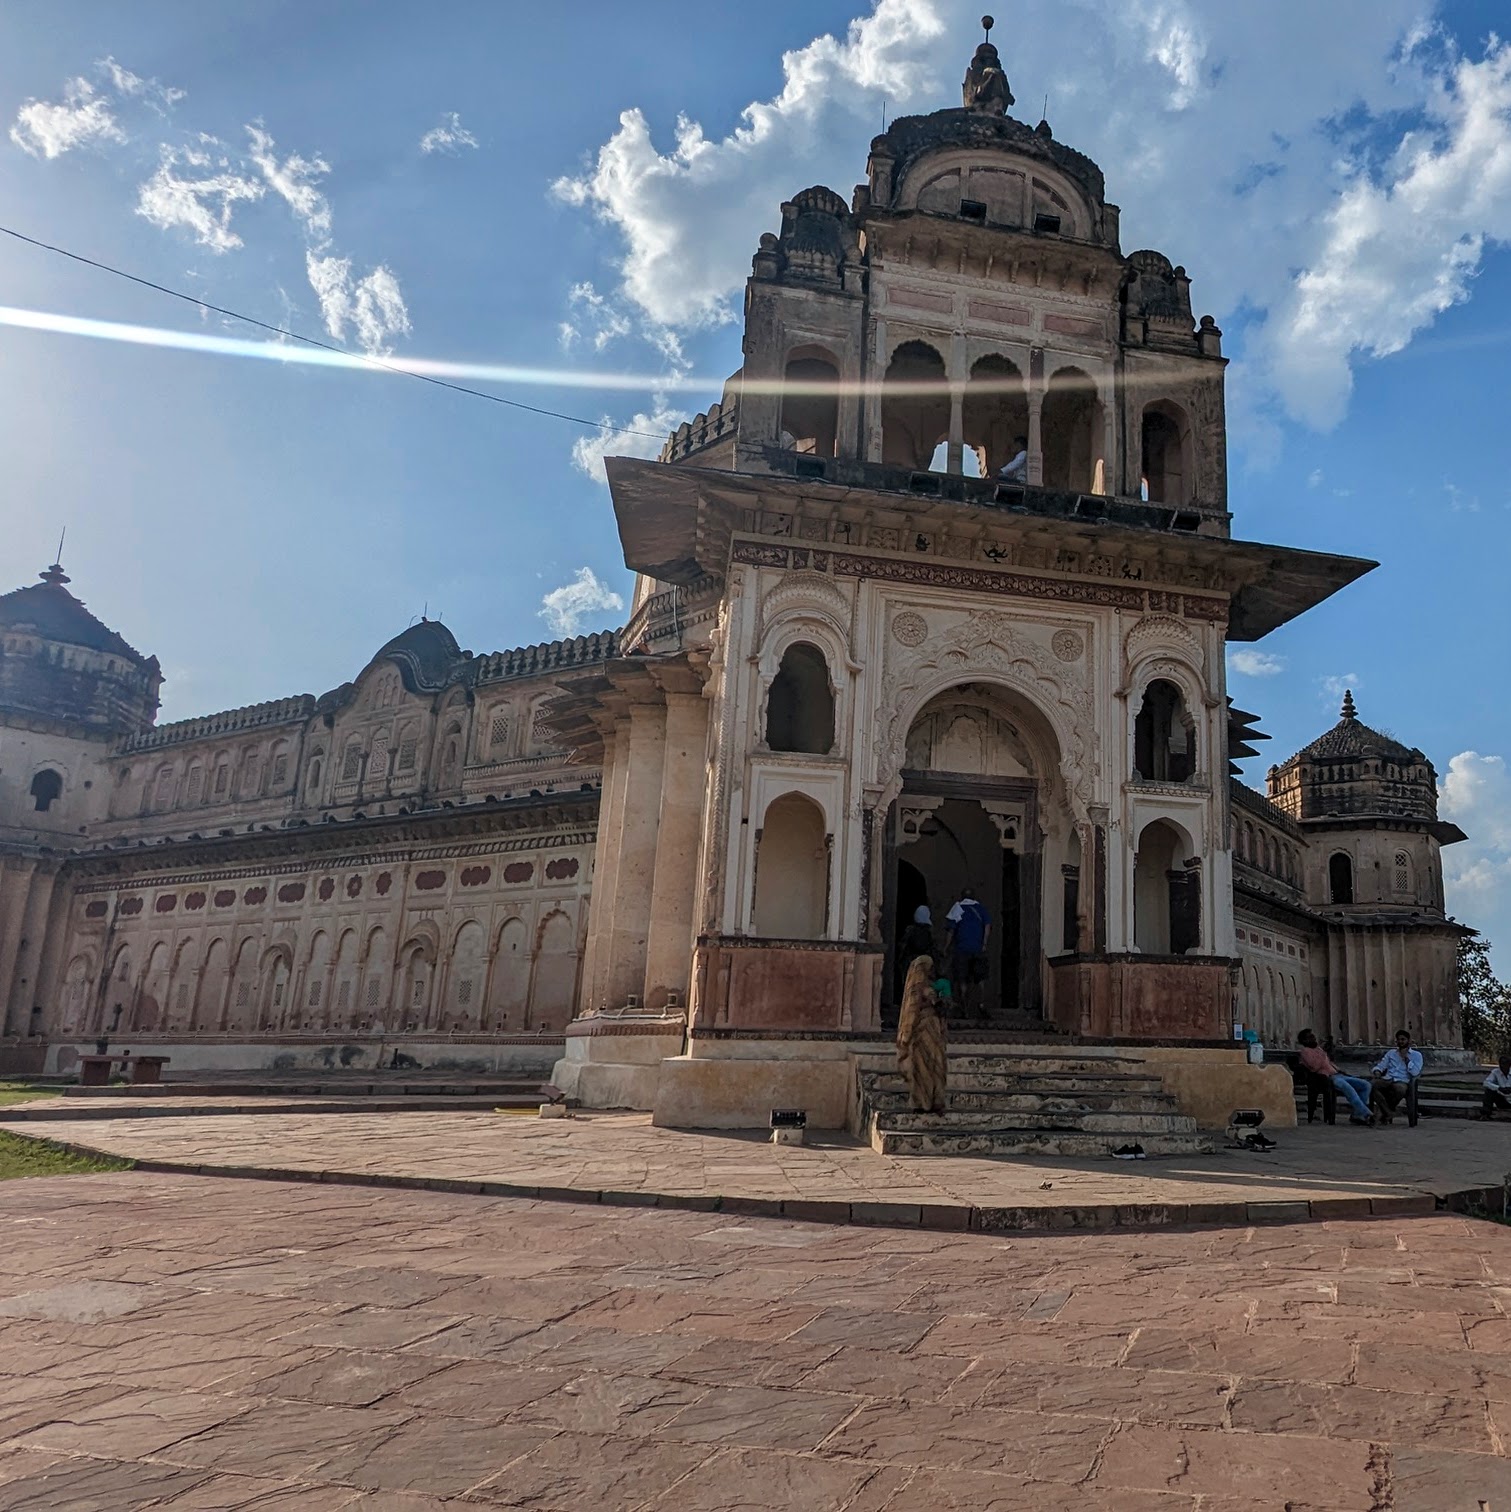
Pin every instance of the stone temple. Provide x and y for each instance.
(937, 593)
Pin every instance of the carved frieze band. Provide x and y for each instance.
(936, 574)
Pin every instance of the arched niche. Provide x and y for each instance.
(1167, 463)
(810, 402)
(1164, 737)
(46, 789)
(792, 871)
(995, 414)
(1072, 433)
(1340, 878)
(915, 405)
(1166, 891)
(800, 702)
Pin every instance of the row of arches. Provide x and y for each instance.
(346, 980)
(995, 428)
(1275, 1003)
(224, 777)
(1261, 849)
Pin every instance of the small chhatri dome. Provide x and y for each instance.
(425, 655)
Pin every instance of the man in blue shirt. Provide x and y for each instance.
(1393, 1074)
(970, 929)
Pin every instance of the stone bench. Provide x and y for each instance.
(143, 1070)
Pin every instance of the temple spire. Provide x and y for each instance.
(1348, 711)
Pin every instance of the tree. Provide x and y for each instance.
(1484, 1000)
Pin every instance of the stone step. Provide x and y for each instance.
(1133, 1125)
(1032, 1142)
(1044, 1084)
(899, 1101)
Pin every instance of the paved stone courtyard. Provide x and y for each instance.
(192, 1343)
(1333, 1172)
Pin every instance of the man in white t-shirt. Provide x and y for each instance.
(1016, 470)
(1498, 1088)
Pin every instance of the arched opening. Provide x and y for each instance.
(162, 793)
(241, 1008)
(1340, 878)
(810, 402)
(46, 789)
(312, 781)
(1072, 433)
(210, 998)
(465, 982)
(1166, 893)
(511, 976)
(1400, 879)
(995, 417)
(1164, 739)
(1165, 445)
(915, 406)
(414, 1005)
(555, 978)
(340, 1004)
(800, 704)
(316, 1002)
(982, 809)
(792, 871)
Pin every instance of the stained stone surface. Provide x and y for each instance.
(624, 1157)
(198, 1343)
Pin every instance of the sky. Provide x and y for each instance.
(568, 199)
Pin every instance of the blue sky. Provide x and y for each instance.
(1343, 204)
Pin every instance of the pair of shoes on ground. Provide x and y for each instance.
(1129, 1152)
(1367, 1123)
(1261, 1141)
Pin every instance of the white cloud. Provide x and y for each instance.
(643, 435)
(293, 179)
(1403, 245)
(200, 202)
(568, 609)
(1331, 248)
(129, 85)
(1333, 687)
(1476, 795)
(46, 130)
(1256, 663)
(450, 136)
(1314, 478)
(372, 307)
(594, 318)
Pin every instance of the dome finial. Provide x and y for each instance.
(985, 88)
(1348, 711)
(55, 574)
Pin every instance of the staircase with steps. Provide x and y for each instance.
(1033, 1099)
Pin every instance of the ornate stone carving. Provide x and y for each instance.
(1165, 635)
(910, 628)
(1068, 645)
(985, 86)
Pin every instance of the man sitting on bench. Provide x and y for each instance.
(1354, 1088)
(1498, 1088)
(1393, 1075)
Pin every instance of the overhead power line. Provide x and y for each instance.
(325, 346)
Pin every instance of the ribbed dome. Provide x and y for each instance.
(425, 654)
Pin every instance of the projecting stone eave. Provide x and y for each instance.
(675, 524)
(1444, 831)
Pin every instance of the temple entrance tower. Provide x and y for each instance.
(949, 574)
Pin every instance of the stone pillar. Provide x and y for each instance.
(1110, 447)
(29, 951)
(16, 876)
(871, 407)
(669, 943)
(636, 863)
(1036, 417)
(955, 453)
(600, 905)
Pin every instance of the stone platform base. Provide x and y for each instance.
(614, 1060)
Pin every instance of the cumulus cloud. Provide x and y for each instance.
(195, 189)
(371, 307)
(642, 435)
(1476, 795)
(48, 130)
(569, 609)
(1255, 663)
(450, 136)
(1326, 229)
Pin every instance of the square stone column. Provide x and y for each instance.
(629, 924)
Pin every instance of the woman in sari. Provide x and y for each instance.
(921, 1040)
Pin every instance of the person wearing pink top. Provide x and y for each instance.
(1354, 1088)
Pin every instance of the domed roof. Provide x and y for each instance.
(425, 655)
(1350, 739)
(49, 611)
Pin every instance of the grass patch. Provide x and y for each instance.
(40, 1157)
(19, 1092)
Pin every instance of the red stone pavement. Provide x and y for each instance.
(194, 1343)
